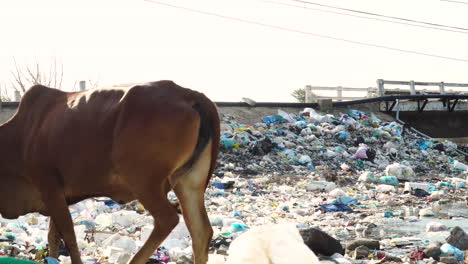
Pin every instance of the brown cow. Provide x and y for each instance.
(126, 144)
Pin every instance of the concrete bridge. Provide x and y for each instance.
(432, 107)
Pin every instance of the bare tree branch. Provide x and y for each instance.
(74, 86)
(59, 86)
(25, 77)
(93, 84)
(52, 69)
(32, 77)
(18, 85)
(38, 79)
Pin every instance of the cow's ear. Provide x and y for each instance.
(18, 197)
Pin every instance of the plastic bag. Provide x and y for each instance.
(286, 116)
(384, 188)
(451, 250)
(226, 142)
(435, 227)
(336, 207)
(304, 159)
(343, 135)
(345, 200)
(314, 116)
(459, 166)
(391, 180)
(357, 114)
(361, 152)
(272, 119)
(400, 171)
(367, 176)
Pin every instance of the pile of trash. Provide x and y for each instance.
(304, 188)
(298, 144)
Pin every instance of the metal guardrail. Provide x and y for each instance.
(312, 97)
(337, 104)
(412, 86)
(315, 105)
(381, 90)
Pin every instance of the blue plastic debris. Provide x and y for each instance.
(374, 118)
(235, 213)
(238, 227)
(443, 183)
(301, 124)
(391, 180)
(226, 142)
(110, 203)
(305, 159)
(343, 134)
(423, 144)
(388, 214)
(336, 207)
(272, 119)
(89, 224)
(451, 250)
(345, 200)
(223, 185)
(219, 192)
(356, 114)
(51, 260)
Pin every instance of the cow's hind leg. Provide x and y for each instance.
(165, 218)
(191, 190)
(53, 239)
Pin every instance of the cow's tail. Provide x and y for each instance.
(209, 130)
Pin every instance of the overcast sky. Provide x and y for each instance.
(124, 41)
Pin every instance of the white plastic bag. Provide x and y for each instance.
(286, 116)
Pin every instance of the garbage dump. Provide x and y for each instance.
(300, 187)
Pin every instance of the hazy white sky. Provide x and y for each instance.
(122, 41)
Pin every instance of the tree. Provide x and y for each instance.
(4, 96)
(25, 77)
(299, 94)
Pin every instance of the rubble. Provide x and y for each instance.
(361, 252)
(368, 243)
(317, 183)
(433, 251)
(458, 238)
(449, 260)
(327, 246)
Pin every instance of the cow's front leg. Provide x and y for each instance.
(54, 240)
(57, 208)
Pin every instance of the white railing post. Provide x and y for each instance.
(370, 92)
(380, 87)
(339, 93)
(441, 88)
(412, 88)
(17, 96)
(308, 94)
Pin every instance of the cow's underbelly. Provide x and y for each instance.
(108, 186)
